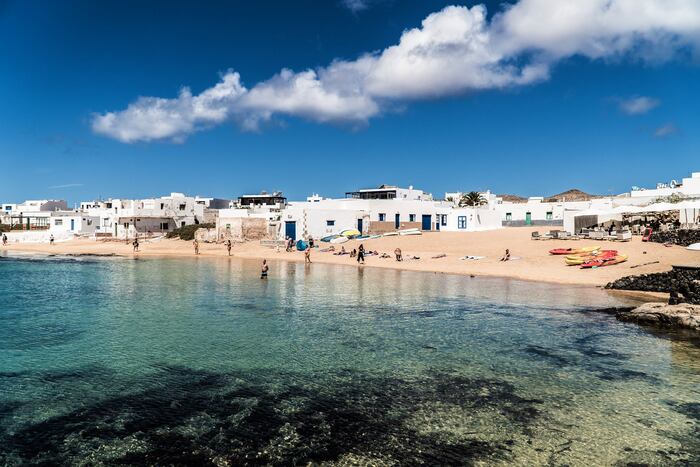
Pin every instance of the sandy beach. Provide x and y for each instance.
(533, 263)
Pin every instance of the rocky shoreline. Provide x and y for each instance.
(663, 315)
(683, 237)
(681, 282)
(683, 307)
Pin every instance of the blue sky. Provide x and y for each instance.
(577, 108)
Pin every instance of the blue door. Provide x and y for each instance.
(359, 225)
(290, 229)
(72, 224)
(397, 220)
(427, 222)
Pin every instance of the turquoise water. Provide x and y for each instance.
(198, 361)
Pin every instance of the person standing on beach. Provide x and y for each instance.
(4, 239)
(51, 239)
(361, 254)
(307, 255)
(196, 246)
(265, 268)
(136, 245)
(228, 246)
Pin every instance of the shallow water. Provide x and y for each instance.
(198, 361)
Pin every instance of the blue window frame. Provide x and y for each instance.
(443, 219)
(462, 222)
(330, 223)
(411, 218)
(382, 217)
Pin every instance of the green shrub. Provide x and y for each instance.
(187, 232)
(5, 228)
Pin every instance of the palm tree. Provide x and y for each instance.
(473, 198)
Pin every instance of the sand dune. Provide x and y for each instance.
(534, 263)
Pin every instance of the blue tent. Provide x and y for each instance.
(302, 245)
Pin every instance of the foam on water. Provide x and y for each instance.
(199, 361)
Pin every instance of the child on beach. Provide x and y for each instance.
(506, 257)
(263, 272)
(51, 239)
(307, 255)
(228, 246)
(397, 253)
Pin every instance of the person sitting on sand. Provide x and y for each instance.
(135, 243)
(196, 246)
(506, 257)
(265, 268)
(341, 252)
(228, 246)
(397, 253)
(353, 253)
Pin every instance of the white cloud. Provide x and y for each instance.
(152, 118)
(355, 5)
(665, 131)
(67, 185)
(638, 105)
(455, 50)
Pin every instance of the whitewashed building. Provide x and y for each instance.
(123, 218)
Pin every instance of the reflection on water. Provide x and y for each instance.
(201, 362)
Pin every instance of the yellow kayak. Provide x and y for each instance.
(574, 251)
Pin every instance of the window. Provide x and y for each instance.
(182, 224)
(549, 216)
(462, 222)
(330, 223)
(163, 226)
(126, 225)
(182, 207)
(162, 205)
(443, 219)
(509, 216)
(58, 222)
(382, 217)
(411, 218)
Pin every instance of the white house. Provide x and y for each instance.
(124, 218)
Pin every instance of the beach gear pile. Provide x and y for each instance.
(589, 257)
(354, 234)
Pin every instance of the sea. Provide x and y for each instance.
(199, 361)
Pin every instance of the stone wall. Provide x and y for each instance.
(683, 237)
(380, 227)
(681, 283)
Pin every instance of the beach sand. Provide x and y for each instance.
(534, 264)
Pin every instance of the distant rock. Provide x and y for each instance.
(571, 195)
(660, 314)
(512, 198)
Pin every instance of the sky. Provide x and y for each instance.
(131, 99)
